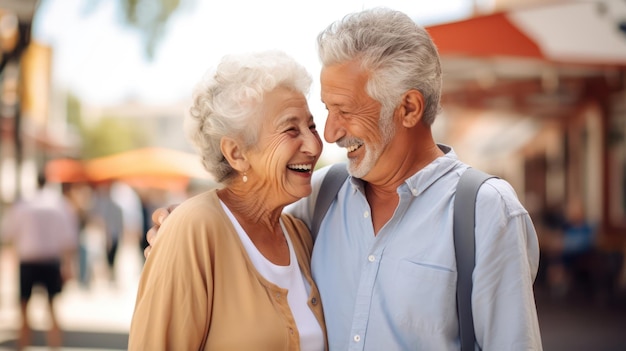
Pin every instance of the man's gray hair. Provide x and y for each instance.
(398, 53)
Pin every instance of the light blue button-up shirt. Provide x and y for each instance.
(397, 290)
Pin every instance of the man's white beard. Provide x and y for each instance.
(372, 154)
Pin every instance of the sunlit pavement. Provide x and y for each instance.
(97, 318)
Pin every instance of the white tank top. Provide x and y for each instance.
(290, 278)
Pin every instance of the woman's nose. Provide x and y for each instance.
(312, 144)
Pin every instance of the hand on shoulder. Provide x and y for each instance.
(158, 217)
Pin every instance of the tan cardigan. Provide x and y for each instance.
(200, 291)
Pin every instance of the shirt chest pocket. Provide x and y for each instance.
(425, 294)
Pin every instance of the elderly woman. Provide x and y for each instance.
(231, 271)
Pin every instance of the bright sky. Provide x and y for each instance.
(103, 62)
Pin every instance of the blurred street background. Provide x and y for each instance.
(94, 318)
(93, 95)
(98, 318)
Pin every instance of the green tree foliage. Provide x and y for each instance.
(111, 135)
(74, 118)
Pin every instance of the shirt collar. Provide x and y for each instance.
(421, 180)
(428, 175)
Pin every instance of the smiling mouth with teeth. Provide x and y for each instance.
(353, 147)
(303, 168)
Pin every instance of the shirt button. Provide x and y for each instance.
(371, 258)
(314, 301)
(291, 331)
(414, 191)
(278, 295)
(366, 214)
(357, 338)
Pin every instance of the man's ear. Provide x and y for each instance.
(233, 152)
(411, 108)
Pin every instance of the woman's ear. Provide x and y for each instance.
(412, 108)
(233, 152)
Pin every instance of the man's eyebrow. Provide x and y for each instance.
(334, 104)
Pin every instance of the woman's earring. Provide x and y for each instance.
(245, 177)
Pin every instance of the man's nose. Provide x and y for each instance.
(333, 129)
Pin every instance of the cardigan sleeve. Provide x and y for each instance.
(174, 298)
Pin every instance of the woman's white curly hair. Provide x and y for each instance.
(226, 103)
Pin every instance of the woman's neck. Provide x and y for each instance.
(249, 208)
(261, 224)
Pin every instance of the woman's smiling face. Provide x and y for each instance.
(288, 147)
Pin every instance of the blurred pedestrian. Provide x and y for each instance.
(109, 216)
(578, 231)
(44, 232)
(150, 200)
(575, 249)
(79, 195)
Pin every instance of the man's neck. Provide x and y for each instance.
(381, 192)
(389, 175)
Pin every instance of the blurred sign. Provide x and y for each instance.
(36, 75)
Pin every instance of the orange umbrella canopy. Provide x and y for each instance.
(65, 170)
(151, 167)
(160, 162)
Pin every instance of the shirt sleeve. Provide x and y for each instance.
(507, 260)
